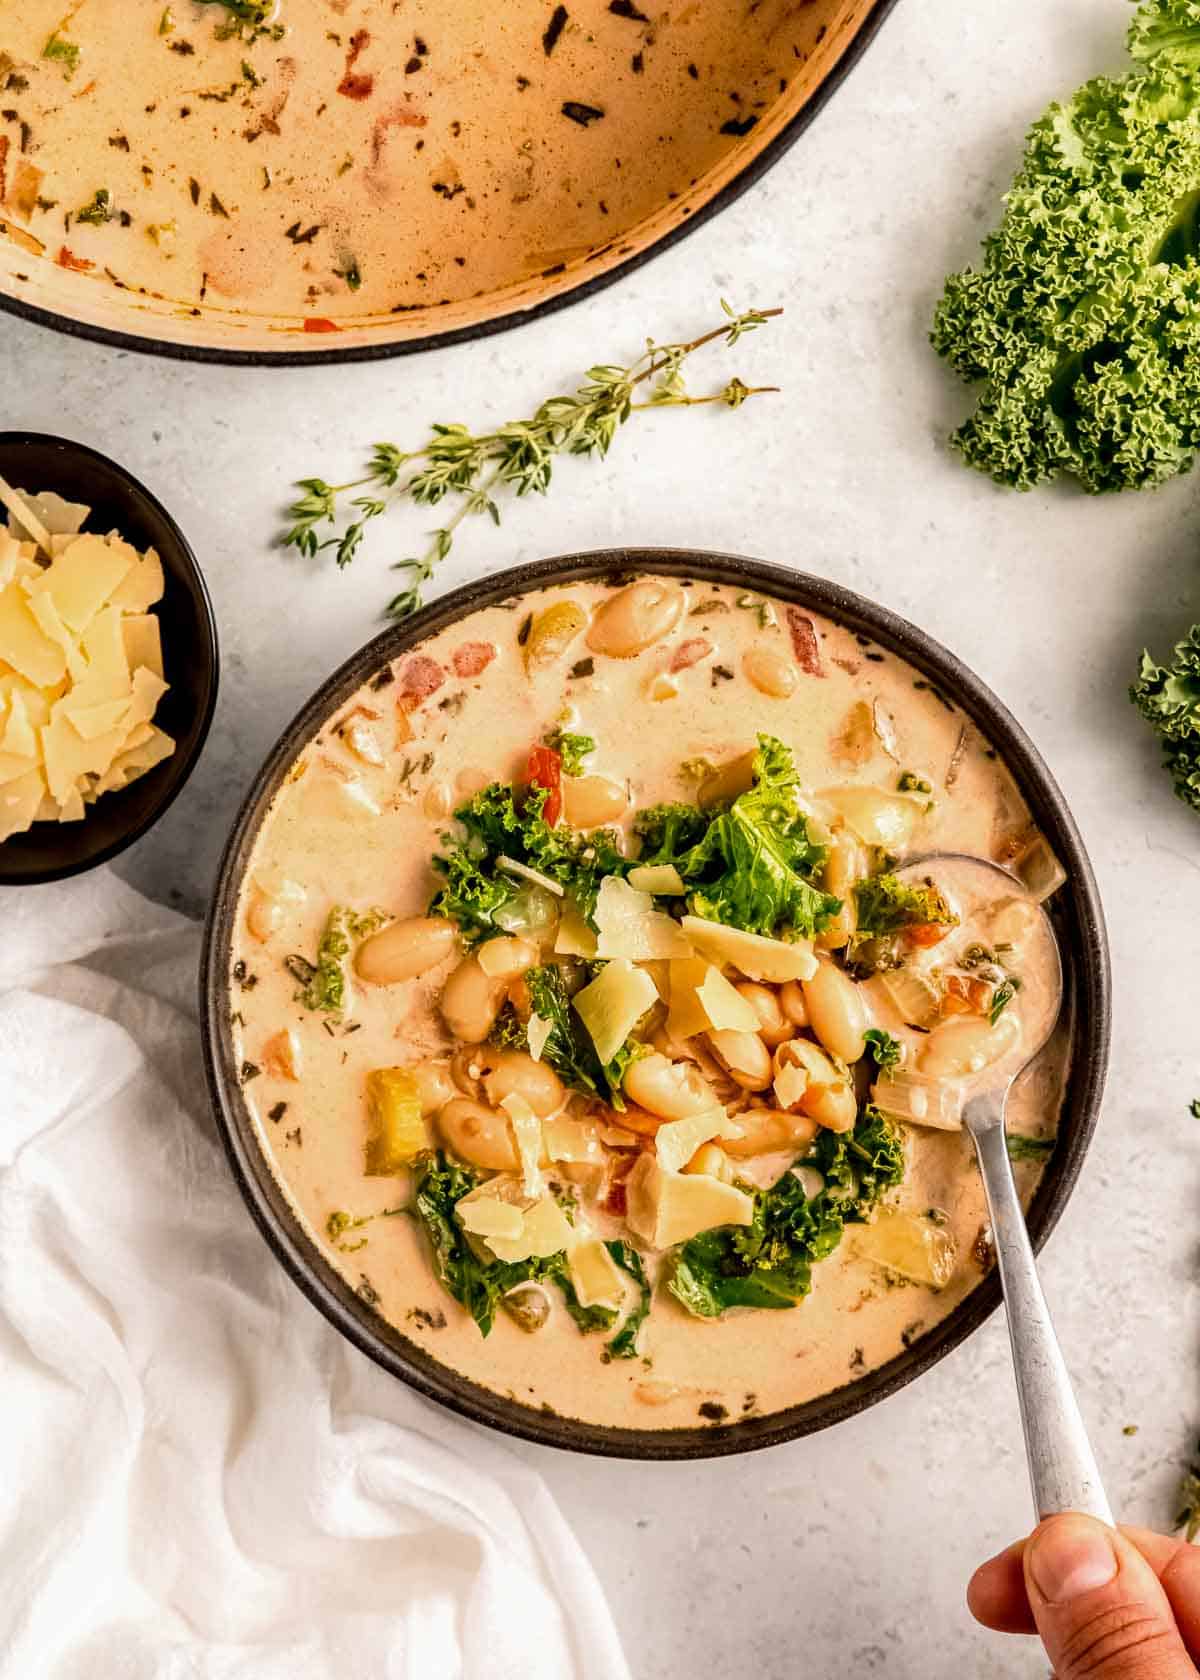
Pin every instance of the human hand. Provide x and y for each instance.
(1109, 1605)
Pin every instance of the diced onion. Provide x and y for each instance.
(1039, 871)
(510, 866)
(920, 1100)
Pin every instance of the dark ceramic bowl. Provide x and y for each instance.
(1076, 910)
(50, 851)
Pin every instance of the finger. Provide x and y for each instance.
(996, 1593)
(1100, 1608)
(1177, 1565)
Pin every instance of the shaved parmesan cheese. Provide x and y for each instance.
(754, 955)
(676, 1142)
(566, 1139)
(90, 721)
(61, 519)
(595, 1275)
(488, 1216)
(612, 1004)
(143, 642)
(661, 878)
(10, 557)
(18, 737)
(724, 1005)
(23, 518)
(686, 1015)
(71, 809)
(629, 925)
(536, 1034)
(108, 668)
(527, 1130)
(510, 866)
(545, 1230)
(13, 765)
(574, 938)
(51, 625)
(136, 760)
(83, 577)
(68, 756)
(791, 1082)
(19, 801)
(24, 646)
(665, 1208)
(141, 586)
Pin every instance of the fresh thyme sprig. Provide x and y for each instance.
(517, 457)
(247, 20)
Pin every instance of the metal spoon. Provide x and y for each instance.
(1062, 1467)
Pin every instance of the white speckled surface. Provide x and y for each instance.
(846, 1553)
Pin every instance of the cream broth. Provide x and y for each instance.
(464, 710)
(373, 159)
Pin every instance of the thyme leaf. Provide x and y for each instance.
(471, 469)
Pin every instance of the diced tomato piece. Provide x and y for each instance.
(966, 996)
(420, 678)
(545, 771)
(924, 934)
(472, 658)
(690, 653)
(320, 324)
(67, 259)
(805, 646)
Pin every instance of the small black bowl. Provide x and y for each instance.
(34, 462)
(1078, 920)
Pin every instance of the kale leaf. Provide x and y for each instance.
(750, 864)
(886, 1050)
(1082, 320)
(323, 984)
(495, 826)
(769, 1263)
(571, 749)
(1168, 697)
(624, 1343)
(887, 905)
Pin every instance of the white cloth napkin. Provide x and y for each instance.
(198, 1477)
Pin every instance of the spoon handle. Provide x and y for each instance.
(1062, 1468)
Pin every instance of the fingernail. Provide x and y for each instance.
(1071, 1556)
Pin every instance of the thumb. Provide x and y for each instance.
(1098, 1605)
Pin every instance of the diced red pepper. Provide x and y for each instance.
(966, 996)
(67, 259)
(420, 678)
(472, 658)
(319, 324)
(925, 934)
(545, 771)
(690, 653)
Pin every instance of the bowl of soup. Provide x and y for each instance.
(285, 182)
(589, 1041)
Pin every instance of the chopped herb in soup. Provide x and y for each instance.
(608, 973)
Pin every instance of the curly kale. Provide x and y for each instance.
(1168, 697)
(750, 864)
(495, 825)
(1082, 322)
(769, 1263)
(481, 1285)
(887, 905)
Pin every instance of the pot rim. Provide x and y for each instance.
(756, 166)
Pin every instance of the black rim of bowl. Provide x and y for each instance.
(753, 171)
(178, 768)
(1085, 959)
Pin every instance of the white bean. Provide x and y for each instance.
(961, 1047)
(635, 618)
(836, 1011)
(478, 1135)
(828, 1096)
(791, 1001)
(404, 950)
(765, 1130)
(669, 1090)
(470, 1001)
(744, 1056)
(513, 1073)
(774, 1026)
(770, 672)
